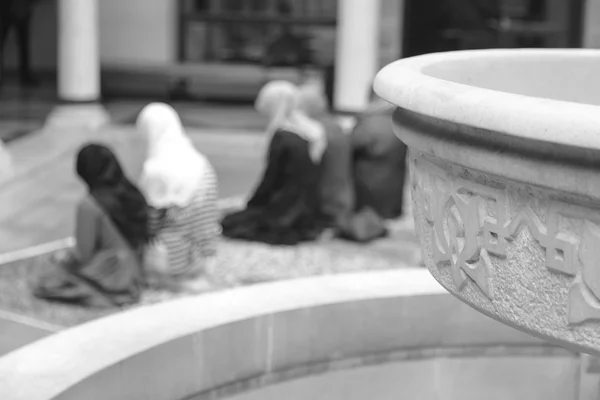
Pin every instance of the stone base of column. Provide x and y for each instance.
(90, 116)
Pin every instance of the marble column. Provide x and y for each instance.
(357, 53)
(78, 67)
(591, 24)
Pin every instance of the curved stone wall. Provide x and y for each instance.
(222, 343)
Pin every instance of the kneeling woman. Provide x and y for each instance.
(104, 269)
(181, 187)
(285, 206)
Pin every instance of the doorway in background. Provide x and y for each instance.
(447, 25)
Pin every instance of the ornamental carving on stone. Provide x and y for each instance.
(472, 224)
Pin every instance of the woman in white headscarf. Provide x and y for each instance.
(180, 186)
(284, 208)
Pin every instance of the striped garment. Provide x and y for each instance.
(190, 233)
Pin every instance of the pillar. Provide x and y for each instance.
(78, 66)
(591, 24)
(357, 53)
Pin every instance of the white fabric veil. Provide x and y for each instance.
(174, 169)
(279, 100)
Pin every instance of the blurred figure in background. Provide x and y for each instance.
(111, 232)
(378, 172)
(284, 208)
(336, 188)
(379, 161)
(180, 185)
(16, 15)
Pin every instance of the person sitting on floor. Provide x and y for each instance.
(379, 161)
(284, 209)
(180, 185)
(111, 231)
(336, 187)
(378, 172)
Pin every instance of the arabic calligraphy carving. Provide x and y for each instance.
(472, 224)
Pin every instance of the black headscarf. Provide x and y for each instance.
(99, 168)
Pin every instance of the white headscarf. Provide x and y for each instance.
(174, 169)
(279, 100)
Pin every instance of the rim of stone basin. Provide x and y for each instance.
(412, 85)
(541, 141)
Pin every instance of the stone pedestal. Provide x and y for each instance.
(357, 48)
(505, 181)
(78, 67)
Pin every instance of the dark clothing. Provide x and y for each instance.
(102, 270)
(378, 171)
(379, 159)
(284, 209)
(336, 188)
(115, 194)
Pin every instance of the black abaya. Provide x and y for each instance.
(284, 209)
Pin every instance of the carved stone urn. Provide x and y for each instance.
(505, 170)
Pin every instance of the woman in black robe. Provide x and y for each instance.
(284, 209)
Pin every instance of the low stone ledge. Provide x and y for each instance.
(191, 346)
(17, 331)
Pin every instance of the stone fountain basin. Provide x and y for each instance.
(505, 169)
